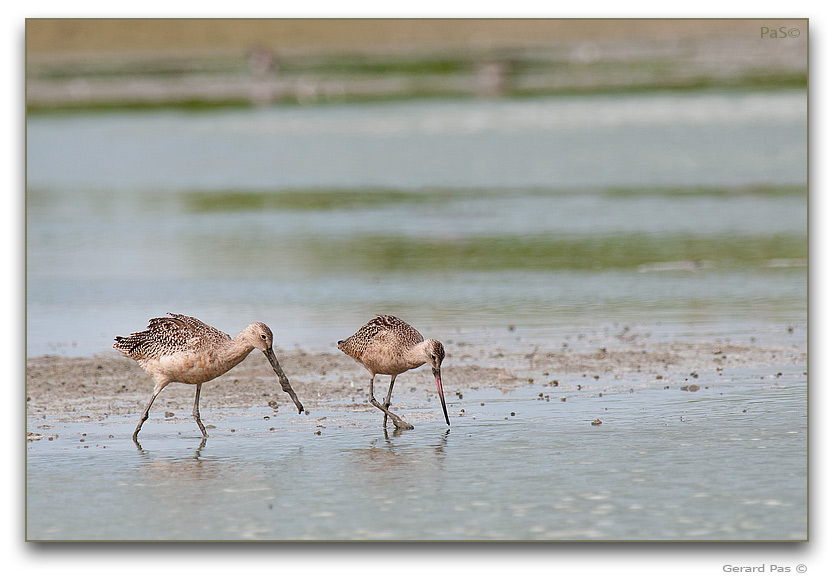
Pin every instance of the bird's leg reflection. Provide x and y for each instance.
(200, 447)
(395, 432)
(389, 459)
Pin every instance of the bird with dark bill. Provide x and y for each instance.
(182, 349)
(388, 345)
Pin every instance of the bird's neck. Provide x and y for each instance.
(235, 351)
(416, 355)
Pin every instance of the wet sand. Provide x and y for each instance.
(61, 389)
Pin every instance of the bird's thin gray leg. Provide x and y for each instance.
(387, 401)
(398, 423)
(196, 412)
(156, 390)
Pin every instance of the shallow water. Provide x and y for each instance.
(726, 462)
(681, 208)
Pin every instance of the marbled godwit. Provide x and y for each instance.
(387, 345)
(182, 349)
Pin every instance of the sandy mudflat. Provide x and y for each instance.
(94, 388)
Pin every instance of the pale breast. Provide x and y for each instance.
(190, 368)
(386, 359)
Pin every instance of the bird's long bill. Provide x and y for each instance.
(282, 378)
(442, 398)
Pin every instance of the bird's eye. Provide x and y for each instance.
(263, 336)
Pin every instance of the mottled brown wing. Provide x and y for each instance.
(380, 329)
(169, 335)
(198, 329)
(387, 323)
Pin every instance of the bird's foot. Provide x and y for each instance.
(400, 424)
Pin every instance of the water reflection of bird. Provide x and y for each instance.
(387, 345)
(182, 349)
(386, 461)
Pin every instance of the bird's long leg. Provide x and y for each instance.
(398, 423)
(387, 401)
(196, 412)
(156, 390)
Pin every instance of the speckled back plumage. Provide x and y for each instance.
(382, 329)
(170, 335)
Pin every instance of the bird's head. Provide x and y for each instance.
(258, 335)
(436, 354)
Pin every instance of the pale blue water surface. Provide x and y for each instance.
(685, 213)
(727, 462)
(133, 214)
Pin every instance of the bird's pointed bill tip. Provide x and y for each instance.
(442, 398)
(282, 378)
